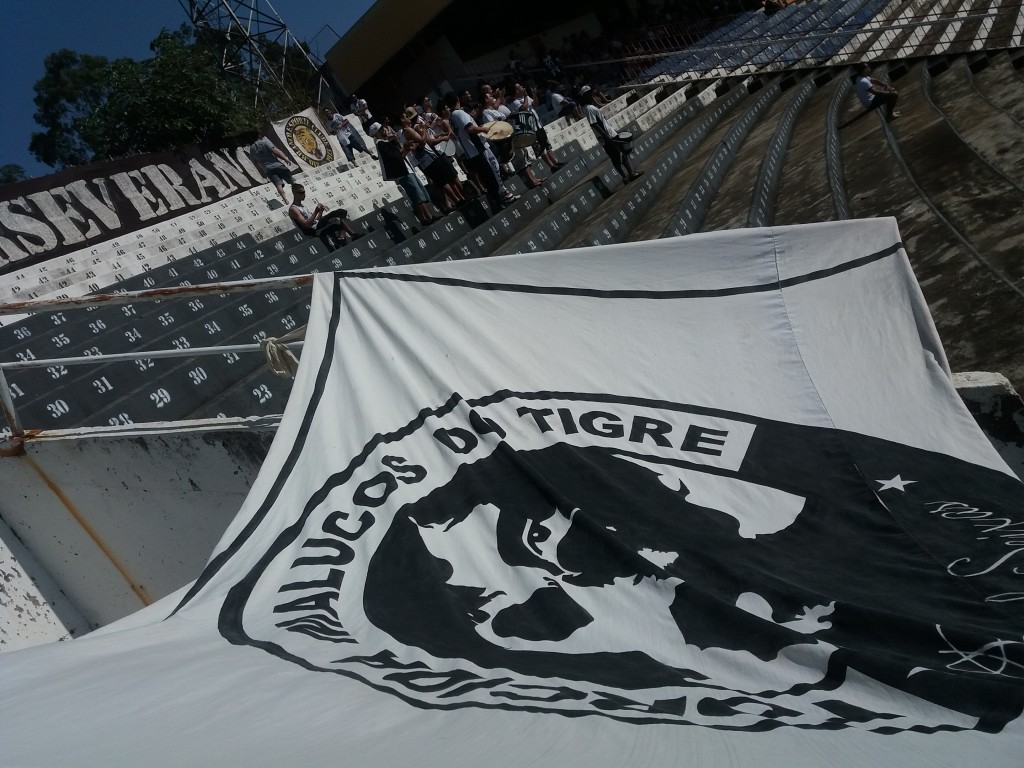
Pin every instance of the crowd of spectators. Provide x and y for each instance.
(491, 132)
(468, 131)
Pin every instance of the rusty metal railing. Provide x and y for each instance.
(128, 297)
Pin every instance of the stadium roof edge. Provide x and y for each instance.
(385, 28)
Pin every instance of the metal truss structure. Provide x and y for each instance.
(255, 43)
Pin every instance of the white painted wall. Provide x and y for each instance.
(33, 609)
(96, 527)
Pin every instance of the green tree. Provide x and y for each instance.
(11, 172)
(73, 86)
(94, 109)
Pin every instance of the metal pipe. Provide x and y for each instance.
(155, 294)
(123, 356)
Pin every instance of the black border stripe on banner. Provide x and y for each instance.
(630, 294)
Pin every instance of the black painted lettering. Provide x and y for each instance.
(602, 424)
(321, 601)
(333, 525)
(332, 581)
(657, 430)
(484, 426)
(343, 553)
(407, 473)
(539, 416)
(704, 440)
(456, 439)
(375, 491)
(568, 425)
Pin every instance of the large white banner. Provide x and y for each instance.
(701, 501)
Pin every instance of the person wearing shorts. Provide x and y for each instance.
(331, 227)
(437, 167)
(394, 167)
(272, 161)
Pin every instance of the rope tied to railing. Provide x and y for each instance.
(281, 360)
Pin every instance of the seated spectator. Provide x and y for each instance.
(348, 136)
(771, 7)
(600, 100)
(875, 93)
(391, 155)
(272, 162)
(562, 106)
(331, 228)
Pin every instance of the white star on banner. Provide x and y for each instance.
(897, 482)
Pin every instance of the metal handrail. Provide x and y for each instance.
(128, 297)
(154, 294)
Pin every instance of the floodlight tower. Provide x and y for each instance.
(255, 43)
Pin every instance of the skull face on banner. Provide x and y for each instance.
(601, 574)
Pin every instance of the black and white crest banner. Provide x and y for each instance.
(706, 501)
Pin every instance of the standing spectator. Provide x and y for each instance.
(513, 160)
(348, 136)
(875, 93)
(606, 135)
(426, 110)
(272, 161)
(394, 168)
(361, 109)
(439, 170)
(477, 151)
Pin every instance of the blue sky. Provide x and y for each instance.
(110, 28)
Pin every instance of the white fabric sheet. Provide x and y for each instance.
(702, 501)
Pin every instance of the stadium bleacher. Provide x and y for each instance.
(756, 125)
